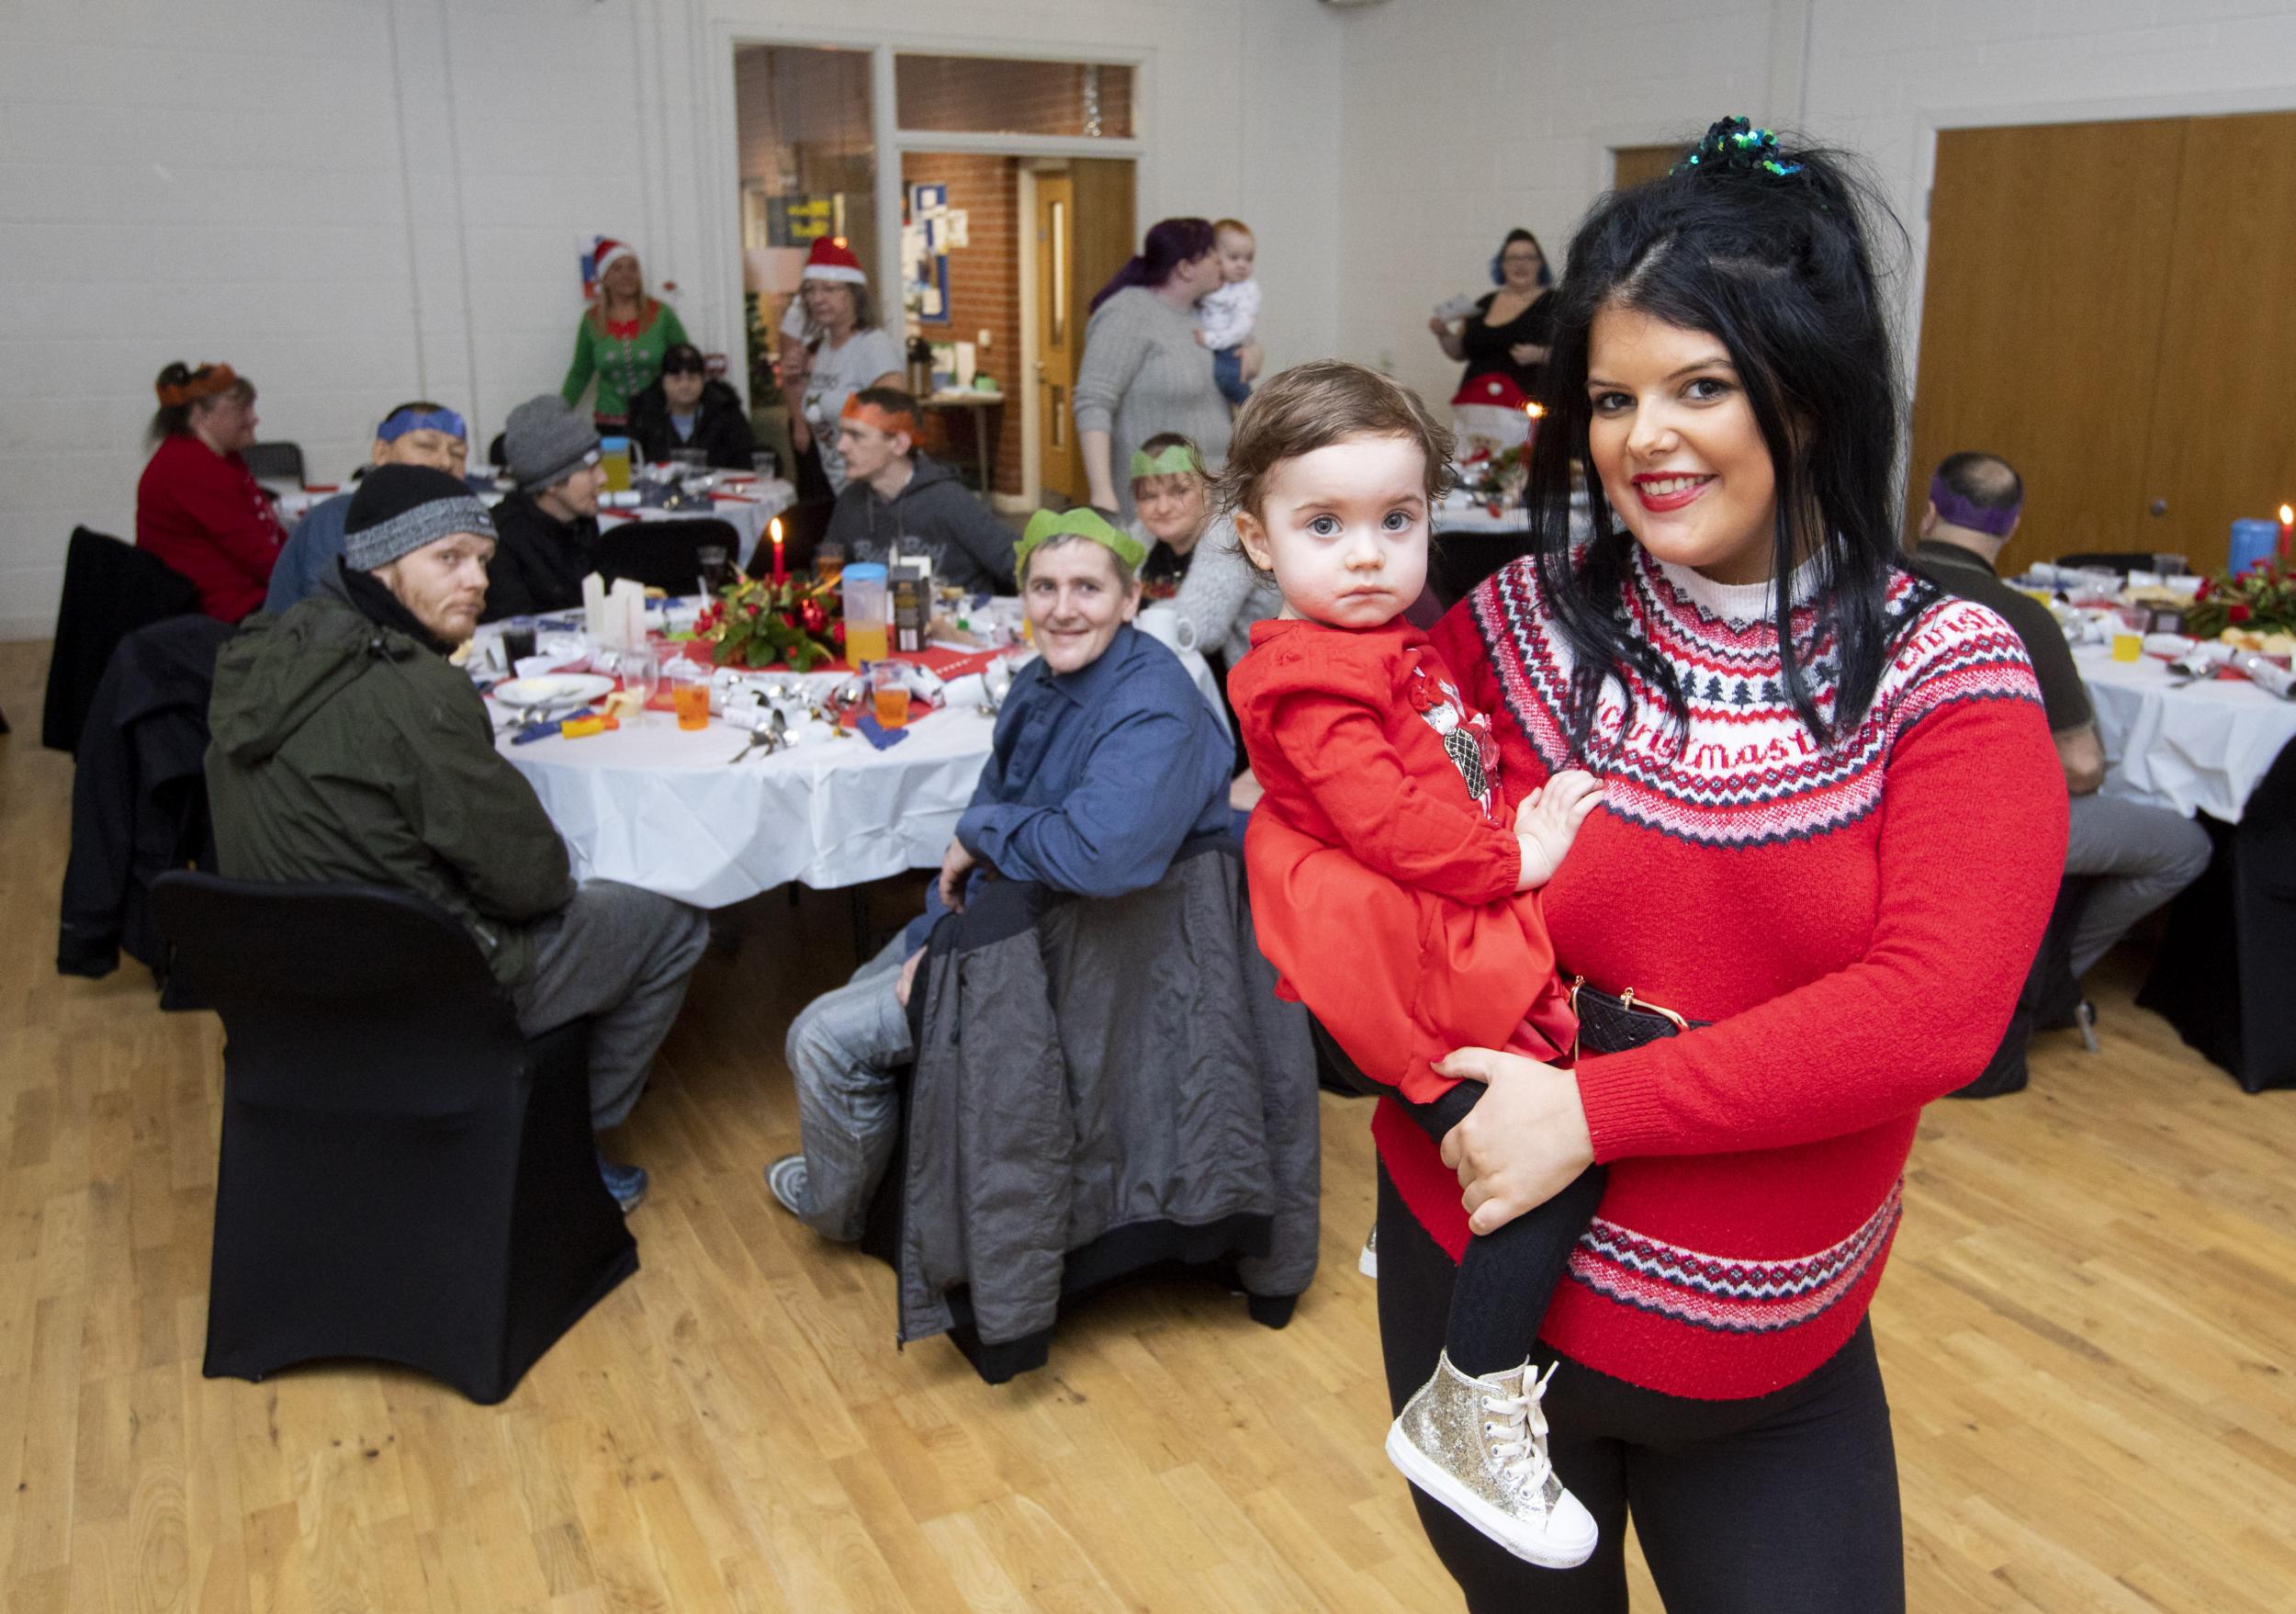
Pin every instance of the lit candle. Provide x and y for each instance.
(780, 574)
(2288, 529)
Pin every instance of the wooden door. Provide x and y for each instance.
(2223, 426)
(1059, 338)
(2042, 321)
(1631, 165)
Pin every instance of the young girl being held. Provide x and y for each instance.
(1394, 896)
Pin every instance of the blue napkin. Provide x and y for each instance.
(882, 738)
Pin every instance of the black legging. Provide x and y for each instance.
(1778, 1504)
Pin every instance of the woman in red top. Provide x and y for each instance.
(1832, 827)
(197, 506)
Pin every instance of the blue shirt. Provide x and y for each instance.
(313, 549)
(1097, 776)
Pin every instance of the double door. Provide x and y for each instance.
(2111, 308)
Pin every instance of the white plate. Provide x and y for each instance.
(553, 689)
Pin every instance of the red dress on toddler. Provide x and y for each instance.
(1383, 860)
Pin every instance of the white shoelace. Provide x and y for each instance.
(1521, 1454)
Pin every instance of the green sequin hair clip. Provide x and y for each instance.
(1733, 145)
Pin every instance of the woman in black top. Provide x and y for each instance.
(685, 409)
(1509, 331)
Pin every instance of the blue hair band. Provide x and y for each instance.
(433, 420)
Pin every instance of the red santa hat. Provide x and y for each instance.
(607, 252)
(831, 259)
(1488, 392)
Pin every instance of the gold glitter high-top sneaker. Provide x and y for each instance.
(1478, 1446)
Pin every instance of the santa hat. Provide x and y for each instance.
(606, 252)
(831, 259)
(1490, 392)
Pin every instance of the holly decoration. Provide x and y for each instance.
(1494, 478)
(756, 623)
(2261, 599)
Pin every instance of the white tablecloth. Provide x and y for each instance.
(659, 808)
(2201, 747)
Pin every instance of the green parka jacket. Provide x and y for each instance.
(342, 750)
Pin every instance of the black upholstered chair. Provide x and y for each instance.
(274, 462)
(110, 589)
(404, 1176)
(664, 554)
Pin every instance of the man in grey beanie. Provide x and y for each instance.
(550, 526)
(345, 747)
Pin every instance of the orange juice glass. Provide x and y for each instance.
(692, 700)
(891, 695)
(866, 641)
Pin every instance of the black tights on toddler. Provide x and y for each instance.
(1507, 1276)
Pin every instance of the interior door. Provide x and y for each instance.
(1633, 165)
(2042, 321)
(1059, 337)
(2224, 434)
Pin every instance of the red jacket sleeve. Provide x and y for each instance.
(1965, 891)
(1335, 739)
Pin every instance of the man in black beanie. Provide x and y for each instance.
(347, 747)
(550, 526)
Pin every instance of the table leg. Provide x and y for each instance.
(980, 450)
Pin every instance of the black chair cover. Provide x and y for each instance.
(404, 1176)
(2050, 1001)
(2221, 978)
(664, 554)
(110, 589)
(274, 462)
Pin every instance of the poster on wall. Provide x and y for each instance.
(925, 254)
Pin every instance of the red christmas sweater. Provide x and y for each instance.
(205, 514)
(1381, 861)
(1855, 921)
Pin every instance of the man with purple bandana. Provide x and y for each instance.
(2140, 856)
(420, 433)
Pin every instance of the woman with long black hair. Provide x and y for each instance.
(1832, 829)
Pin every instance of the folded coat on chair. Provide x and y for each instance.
(1090, 1069)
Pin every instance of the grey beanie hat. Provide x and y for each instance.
(545, 440)
(400, 508)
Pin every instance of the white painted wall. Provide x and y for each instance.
(1463, 118)
(358, 201)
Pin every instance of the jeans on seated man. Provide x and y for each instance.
(2141, 856)
(346, 747)
(1107, 759)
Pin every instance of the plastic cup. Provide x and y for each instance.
(692, 697)
(828, 560)
(2128, 647)
(613, 455)
(866, 619)
(890, 695)
(518, 643)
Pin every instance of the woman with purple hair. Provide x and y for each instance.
(1143, 371)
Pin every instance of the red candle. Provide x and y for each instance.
(2288, 529)
(780, 574)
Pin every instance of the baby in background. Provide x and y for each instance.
(1225, 318)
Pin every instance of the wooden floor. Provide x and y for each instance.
(2088, 1329)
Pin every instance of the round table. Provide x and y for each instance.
(666, 809)
(2201, 746)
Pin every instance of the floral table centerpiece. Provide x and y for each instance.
(2261, 600)
(759, 622)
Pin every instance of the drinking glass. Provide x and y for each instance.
(828, 560)
(692, 697)
(518, 643)
(2128, 647)
(641, 677)
(716, 568)
(891, 694)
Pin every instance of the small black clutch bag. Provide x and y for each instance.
(1609, 1024)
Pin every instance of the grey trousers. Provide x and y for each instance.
(621, 957)
(2145, 855)
(843, 1049)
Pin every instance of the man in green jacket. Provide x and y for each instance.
(347, 747)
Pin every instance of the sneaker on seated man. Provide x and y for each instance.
(346, 747)
(1106, 760)
(895, 491)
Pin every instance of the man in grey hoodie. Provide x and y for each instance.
(893, 493)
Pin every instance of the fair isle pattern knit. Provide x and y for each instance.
(1747, 773)
(1731, 1293)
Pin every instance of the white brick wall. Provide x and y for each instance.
(1463, 118)
(318, 190)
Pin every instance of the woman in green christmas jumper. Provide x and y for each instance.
(621, 340)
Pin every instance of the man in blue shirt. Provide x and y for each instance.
(420, 433)
(1107, 759)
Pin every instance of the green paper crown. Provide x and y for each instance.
(1084, 522)
(1177, 459)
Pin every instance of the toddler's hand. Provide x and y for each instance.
(1548, 820)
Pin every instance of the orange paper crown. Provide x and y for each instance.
(887, 420)
(207, 381)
